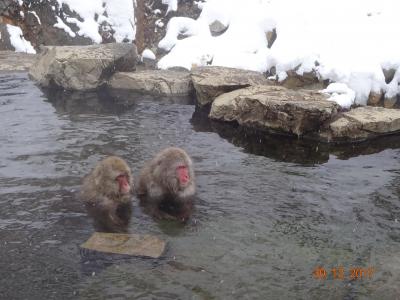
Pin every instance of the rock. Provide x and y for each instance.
(374, 98)
(271, 37)
(82, 67)
(154, 82)
(308, 79)
(390, 102)
(275, 109)
(389, 74)
(16, 61)
(217, 28)
(127, 244)
(362, 123)
(210, 82)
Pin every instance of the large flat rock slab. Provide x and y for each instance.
(127, 244)
(16, 61)
(210, 82)
(362, 123)
(275, 109)
(154, 82)
(82, 67)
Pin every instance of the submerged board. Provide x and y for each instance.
(128, 244)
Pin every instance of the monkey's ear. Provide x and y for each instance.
(98, 175)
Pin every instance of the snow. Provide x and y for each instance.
(37, 17)
(172, 5)
(120, 15)
(60, 24)
(147, 53)
(345, 42)
(18, 41)
(159, 23)
(340, 93)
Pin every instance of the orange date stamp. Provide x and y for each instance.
(340, 273)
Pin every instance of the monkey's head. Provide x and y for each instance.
(113, 176)
(178, 169)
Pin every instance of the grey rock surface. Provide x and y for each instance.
(362, 123)
(154, 82)
(275, 109)
(210, 82)
(82, 67)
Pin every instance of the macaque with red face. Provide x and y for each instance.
(167, 184)
(106, 192)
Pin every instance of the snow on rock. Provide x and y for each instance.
(172, 5)
(176, 26)
(340, 93)
(147, 53)
(121, 18)
(60, 24)
(18, 41)
(242, 45)
(349, 42)
(36, 16)
(119, 14)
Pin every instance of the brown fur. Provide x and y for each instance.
(159, 186)
(110, 210)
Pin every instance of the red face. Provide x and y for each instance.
(183, 175)
(123, 182)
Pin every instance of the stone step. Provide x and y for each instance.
(154, 82)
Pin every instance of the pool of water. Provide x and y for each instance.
(269, 210)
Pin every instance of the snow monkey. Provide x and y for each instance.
(106, 192)
(167, 184)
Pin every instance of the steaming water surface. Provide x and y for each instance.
(266, 215)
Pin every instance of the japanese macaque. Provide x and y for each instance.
(106, 192)
(167, 184)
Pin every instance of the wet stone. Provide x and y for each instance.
(127, 244)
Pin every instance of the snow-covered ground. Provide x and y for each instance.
(349, 42)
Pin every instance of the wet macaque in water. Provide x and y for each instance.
(167, 184)
(106, 192)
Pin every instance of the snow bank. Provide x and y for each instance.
(18, 41)
(348, 42)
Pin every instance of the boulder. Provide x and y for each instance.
(154, 82)
(210, 82)
(307, 80)
(275, 109)
(362, 123)
(82, 67)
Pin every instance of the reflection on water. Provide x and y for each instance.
(267, 214)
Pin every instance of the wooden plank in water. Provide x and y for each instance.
(128, 244)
